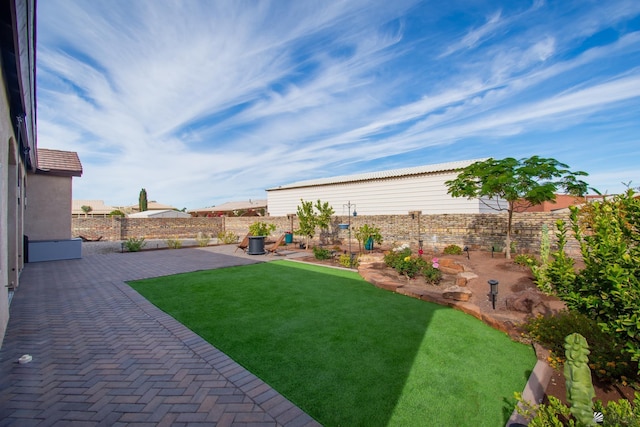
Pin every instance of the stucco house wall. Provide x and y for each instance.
(17, 134)
(48, 213)
(392, 192)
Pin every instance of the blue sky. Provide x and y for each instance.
(203, 102)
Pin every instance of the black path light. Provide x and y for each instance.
(493, 286)
(466, 249)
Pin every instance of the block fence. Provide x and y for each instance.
(477, 231)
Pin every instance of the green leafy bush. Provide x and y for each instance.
(608, 360)
(321, 253)
(134, 244)
(366, 232)
(608, 288)
(346, 260)
(615, 413)
(432, 274)
(526, 260)
(260, 228)
(203, 239)
(452, 250)
(559, 273)
(227, 237)
(174, 243)
(401, 260)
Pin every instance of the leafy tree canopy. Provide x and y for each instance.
(521, 183)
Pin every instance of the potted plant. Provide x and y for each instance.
(258, 231)
(367, 235)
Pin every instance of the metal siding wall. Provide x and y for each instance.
(426, 193)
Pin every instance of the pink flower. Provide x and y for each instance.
(434, 263)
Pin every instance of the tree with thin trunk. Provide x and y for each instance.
(142, 200)
(86, 209)
(514, 185)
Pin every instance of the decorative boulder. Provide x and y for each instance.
(528, 301)
(457, 293)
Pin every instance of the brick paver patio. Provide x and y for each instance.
(104, 356)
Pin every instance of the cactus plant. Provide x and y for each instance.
(577, 374)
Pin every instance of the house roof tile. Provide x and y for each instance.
(58, 162)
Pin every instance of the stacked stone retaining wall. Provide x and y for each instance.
(477, 231)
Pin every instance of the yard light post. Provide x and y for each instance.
(349, 205)
(493, 286)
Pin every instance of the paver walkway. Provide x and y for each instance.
(104, 356)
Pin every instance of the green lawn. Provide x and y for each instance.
(346, 352)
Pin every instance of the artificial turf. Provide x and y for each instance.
(346, 352)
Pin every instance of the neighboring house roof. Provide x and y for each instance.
(97, 207)
(370, 176)
(164, 213)
(153, 206)
(234, 206)
(58, 162)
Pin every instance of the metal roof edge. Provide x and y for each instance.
(392, 173)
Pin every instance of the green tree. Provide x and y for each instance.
(515, 185)
(86, 209)
(142, 200)
(323, 216)
(311, 216)
(306, 220)
(116, 212)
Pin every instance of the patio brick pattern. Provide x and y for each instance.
(105, 356)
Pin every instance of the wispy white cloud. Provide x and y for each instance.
(189, 99)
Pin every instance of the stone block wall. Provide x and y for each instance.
(117, 228)
(477, 231)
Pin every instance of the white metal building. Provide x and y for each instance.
(390, 192)
(163, 213)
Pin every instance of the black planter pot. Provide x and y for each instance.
(256, 245)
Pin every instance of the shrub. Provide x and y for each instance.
(608, 288)
(134, 244)
(227, 237)
(526, 260)
(432, 274)
(614, 413)
(580, 395)
(608, 361)
(401, 260)
(366, 232)
(558, 274)
(174, 243)
(261, 228)
(203, 239)
(321, 253)
(452, 250)
(346, 260)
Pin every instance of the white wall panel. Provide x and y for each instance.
(398, 195)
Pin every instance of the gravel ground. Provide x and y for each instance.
(94, 248)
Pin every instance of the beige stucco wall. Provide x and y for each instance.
(7, 262)
(48, 211)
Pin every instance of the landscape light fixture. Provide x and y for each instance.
(348, 206)
(466, 249)
(493, 286)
